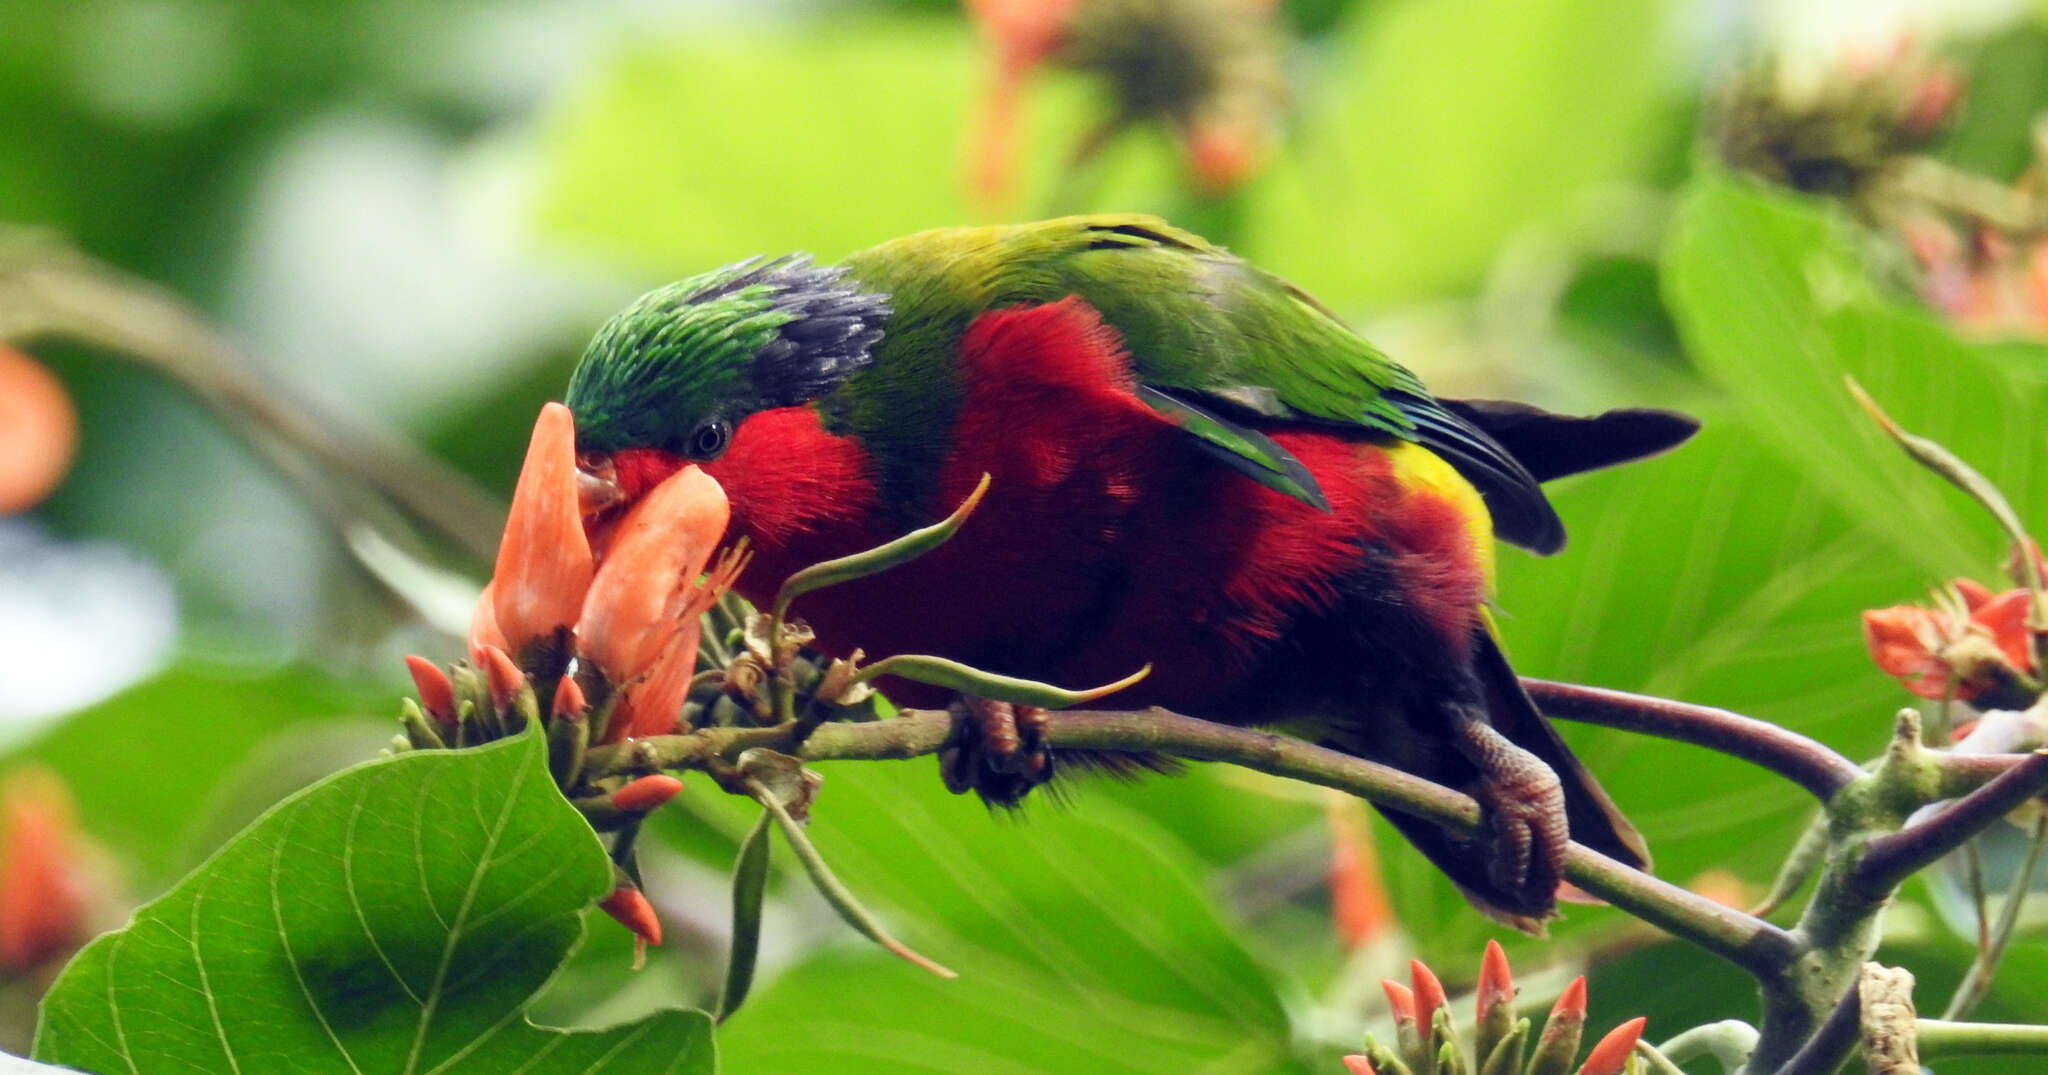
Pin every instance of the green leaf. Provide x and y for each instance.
(1447, 127)
(696, 151)
(749, 887)
(392, 918)
(1773, 299)
(1083, 940)
(202, 724)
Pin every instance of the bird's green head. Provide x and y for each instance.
(684, 364)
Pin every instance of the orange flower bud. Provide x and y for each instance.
(1400, 999)
(1496, 983)
(1610, 1055)
(505, 677)
(646, 793)
(1571, 1003)
(630, 907)
(544, 562)
(569, 702)
(437, 695)
(1429, 993)
(1358, 1065)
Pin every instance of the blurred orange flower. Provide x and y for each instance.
(1975, 640)
(38, 431)
(42, 888)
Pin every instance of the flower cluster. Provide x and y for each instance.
(1977, 276)
(595, 628)
(1838, 130)
(1966, 640)
(600, 636)
(1425, 1040)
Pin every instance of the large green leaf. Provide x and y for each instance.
(201, 724)
(1083, 941)
(1773, 299)
(1446, 127)
(688, 152)
(393, 918)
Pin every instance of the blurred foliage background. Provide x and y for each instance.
(411, 213)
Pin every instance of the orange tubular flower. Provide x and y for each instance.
(639, 619)
(630, 616)
(544, 563)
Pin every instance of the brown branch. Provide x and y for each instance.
(48, 289)
(1832, 1041)
(1749, 942)
(1795, 757)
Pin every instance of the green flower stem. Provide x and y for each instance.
(834, 890)
(1729, 1041)
(1941, 1037)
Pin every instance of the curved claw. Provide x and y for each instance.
(998, 751)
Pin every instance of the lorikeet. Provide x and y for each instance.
(1194, 465)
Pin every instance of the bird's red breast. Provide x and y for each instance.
(1106, 540)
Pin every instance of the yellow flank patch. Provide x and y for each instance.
(1416, 467)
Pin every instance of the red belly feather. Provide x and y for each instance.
(1106, 541)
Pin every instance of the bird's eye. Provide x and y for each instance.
(708, 440)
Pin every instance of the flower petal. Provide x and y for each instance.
(544, 563)
(2005, 616)
(646, 586)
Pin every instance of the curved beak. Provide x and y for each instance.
(597, 485)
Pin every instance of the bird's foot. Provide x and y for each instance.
(1524, 816)
(997, 751)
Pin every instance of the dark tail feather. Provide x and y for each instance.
(1554, 445)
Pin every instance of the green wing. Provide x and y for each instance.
(1223, 347)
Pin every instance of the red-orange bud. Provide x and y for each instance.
(1611, 1054)
(1358, 1065)
(630, 907)
(646, 793)
(1496, 984)
(1400, 999)
(1429, 993)
(1572, 1002)
(544, 563)
(505, 677)
(569, 702)
(437, 695)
